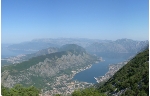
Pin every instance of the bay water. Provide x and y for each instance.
(97, 69)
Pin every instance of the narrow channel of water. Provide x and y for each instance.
(98, 69)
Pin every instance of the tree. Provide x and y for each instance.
(19, 90)
(87, 92)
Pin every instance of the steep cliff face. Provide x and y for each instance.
(40, 70)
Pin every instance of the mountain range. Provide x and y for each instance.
(42, 70)
(91, 45)
(118, 46)
(107, 48)
(131, 80)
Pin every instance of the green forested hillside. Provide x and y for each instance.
(87, 92)
(132, 79)
(19, 90)
(33, 61)
(49, 71)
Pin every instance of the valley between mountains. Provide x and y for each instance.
(52, 69)
(49, 71)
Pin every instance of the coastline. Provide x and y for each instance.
(113, 68)
(68, 85)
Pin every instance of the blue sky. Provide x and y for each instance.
(24, 20)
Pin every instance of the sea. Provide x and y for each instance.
(99, 69)
(6, 53)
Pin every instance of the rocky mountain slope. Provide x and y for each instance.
(118, 46)
(42, 71)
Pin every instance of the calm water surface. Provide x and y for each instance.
(5, 53)
(98, 69)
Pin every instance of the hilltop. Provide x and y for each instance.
(45, 70)
(24, 57)
(91, 45)
(102, 48)
(132, 79)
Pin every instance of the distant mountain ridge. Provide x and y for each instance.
(106, 48)
(45, 65)
(93, 46)
(118, 46)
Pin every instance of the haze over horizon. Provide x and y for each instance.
(67, 38)
(25, 20)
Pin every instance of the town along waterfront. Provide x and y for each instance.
(98, 69)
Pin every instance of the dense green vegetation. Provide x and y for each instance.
(19, 90)
(87, 92)
(132, 79)
(33, 61)
(4, 63)
(72, 47)
(22, 75)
